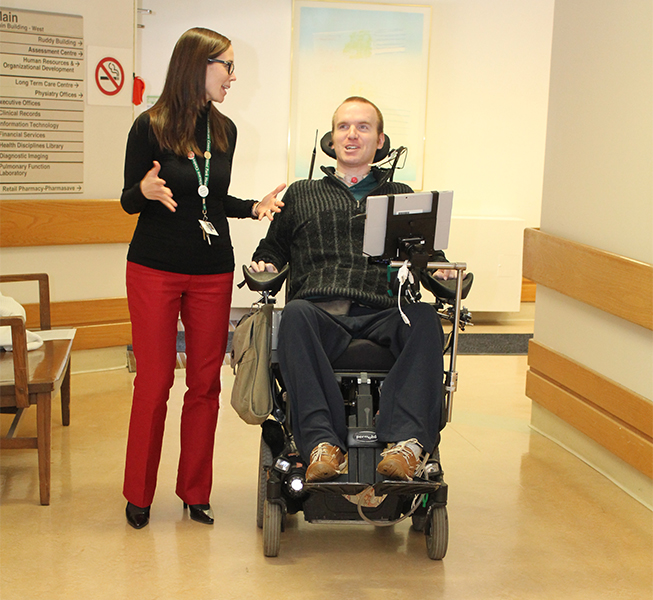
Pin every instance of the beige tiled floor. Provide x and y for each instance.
(527, 519)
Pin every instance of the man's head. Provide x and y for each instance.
(357, 133)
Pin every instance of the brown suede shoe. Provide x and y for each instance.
(399, 462)
(327, 462)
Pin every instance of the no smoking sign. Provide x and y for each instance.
(109, 76)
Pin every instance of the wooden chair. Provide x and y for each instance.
(34, 378)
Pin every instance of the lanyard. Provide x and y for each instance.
(203, 189)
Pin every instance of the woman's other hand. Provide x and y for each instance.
(270, 204)
(154, 188)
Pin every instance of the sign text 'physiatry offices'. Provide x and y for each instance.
(41, 102)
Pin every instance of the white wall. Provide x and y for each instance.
(488, 92)
(598, 190)
(598, 186)
(486, 116)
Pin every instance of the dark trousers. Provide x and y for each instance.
(410, 403)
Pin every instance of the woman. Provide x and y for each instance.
(180, 261)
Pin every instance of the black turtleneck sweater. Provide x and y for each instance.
(173, 241)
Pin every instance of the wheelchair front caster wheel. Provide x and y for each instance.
(437, 533)
(271, 529)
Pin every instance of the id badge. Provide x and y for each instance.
(208, 228)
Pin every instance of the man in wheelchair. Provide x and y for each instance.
(335, 295)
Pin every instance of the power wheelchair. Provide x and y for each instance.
(360, 494)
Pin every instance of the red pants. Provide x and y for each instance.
(156, 298)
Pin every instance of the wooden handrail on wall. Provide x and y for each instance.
(591, 275)
(611, 415)
(615, 417)
(102, 322)
(32, 222)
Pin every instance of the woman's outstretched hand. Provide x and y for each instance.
(154, 188)
(270, 204)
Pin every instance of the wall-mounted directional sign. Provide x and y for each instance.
(41, 102)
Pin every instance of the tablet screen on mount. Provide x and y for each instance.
(419, 204)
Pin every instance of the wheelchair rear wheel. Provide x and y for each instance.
(271, 529)
(437, 533)
(264, 461)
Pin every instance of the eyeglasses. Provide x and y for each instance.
(227, 63)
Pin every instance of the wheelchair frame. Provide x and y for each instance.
(360, 495)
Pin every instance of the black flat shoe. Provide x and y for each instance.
(201, 513)
(137, 517)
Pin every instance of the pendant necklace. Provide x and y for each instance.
(203, 190)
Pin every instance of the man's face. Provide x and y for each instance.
(355, 137)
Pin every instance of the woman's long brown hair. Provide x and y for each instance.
(183, 98)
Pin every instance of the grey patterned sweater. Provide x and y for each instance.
(320, 233)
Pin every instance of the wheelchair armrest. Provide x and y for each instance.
(265, 281)
(446, 289)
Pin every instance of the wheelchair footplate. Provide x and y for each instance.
(383, 501)
(381, 488)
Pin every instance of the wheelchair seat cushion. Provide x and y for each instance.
(364, 355)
